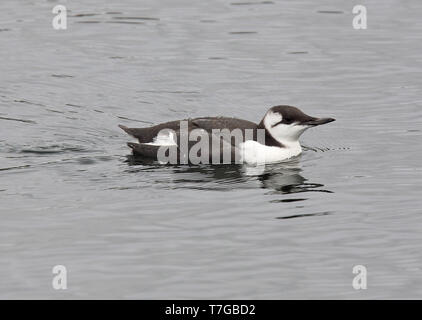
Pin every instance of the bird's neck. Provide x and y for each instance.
(270, 141)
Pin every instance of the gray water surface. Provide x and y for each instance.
(71, 194)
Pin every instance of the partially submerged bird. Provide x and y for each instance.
(205, 140)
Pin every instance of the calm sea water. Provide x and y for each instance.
(71, 195)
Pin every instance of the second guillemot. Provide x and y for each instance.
(274, 139)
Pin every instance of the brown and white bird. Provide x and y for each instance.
(274, 139)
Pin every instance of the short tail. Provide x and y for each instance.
(144, 135)
(125, 129)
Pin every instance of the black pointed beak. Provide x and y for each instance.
(317, 121)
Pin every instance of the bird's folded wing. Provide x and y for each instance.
(225, 128)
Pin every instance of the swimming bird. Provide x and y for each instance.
(198, 140)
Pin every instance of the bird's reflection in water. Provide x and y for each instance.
(280, 178)
(286, 178)
(198, 177)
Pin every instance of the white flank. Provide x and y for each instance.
(256, 153)
(164, 139)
